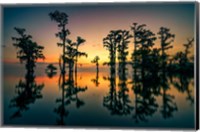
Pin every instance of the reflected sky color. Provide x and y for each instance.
(93, 22)
(93, 113)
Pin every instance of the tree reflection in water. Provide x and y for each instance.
(153, 73)
(96, 80)
(182, 83)
(27, 92)
(118, 102)
(111, 101)
(69, 95)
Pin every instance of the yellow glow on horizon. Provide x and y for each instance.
(93, 45)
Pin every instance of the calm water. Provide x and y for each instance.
(98, 101)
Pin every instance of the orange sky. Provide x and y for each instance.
(93, 23)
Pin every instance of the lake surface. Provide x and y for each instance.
(99, 101)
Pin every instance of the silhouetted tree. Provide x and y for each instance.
(154, 59)
(79, 41)
(166, 39)
(51, 70)
(110, 42)
(71, 54)
(184, 70)
(145, 41)
(27, 91)
(62, 19)
(123, 41)
(169, 106)
(144, 85)
(137, 32)
(28, 51)
(96, 61)
(187, 46)
(182, 61)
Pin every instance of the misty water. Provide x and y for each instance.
(102, 102)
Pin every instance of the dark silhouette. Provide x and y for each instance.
(117, 102)
(70, 89)
(28, 51)
(123, 40)
(183, 68)
(124, 105)
(110, 101)
(168, 105)
(96, 61)
(153, 71)
(145, 104)
(70, 50)
(137, 32)
(62, 19)
(61, 110)
(117, 40)
(72, 54)
(145, 90)
(79, 41)
(150, 72)
(27, 91)
(181, 60)
(51, 70)
(166, 38)
(144, 41)
(69, 95)
(96, 80)
(182, 84)
(70, 92)
(110, 42)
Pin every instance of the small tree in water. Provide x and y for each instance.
(96, 61)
